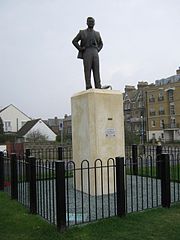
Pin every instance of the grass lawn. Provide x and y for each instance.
(160, 224)
(150, 171)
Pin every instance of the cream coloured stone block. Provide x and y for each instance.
(97, 133)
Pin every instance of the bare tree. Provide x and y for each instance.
(36, 136)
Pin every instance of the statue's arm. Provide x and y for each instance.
(76, 40)
(100, 43)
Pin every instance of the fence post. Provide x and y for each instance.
(28, 153)
(165, 181)
(14, 177)
(60, 195)
(1, 171)
(120, 187)
(60, 153)
(144, 149)
(27, 163)
(32, 184)
(135, 159)
(158, 161)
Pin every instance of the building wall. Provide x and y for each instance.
(135, 110)
(56, 124)
(163, 107)
(13, 119)
(177, 135)
(44, 130)
(67, 126)
(156, 135)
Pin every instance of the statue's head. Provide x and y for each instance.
(90, 22)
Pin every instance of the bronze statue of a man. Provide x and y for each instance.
(90, 44)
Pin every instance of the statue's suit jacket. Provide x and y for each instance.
(82, 37)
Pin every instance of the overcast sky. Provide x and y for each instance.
(39, 69)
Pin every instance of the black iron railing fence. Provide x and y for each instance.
(51, 153)
(66, 152)
(67, 193)
(151, 150)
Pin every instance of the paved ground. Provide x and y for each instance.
(142, 193)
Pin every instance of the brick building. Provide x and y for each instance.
(134, 110)
(153, 111)
(163, 109)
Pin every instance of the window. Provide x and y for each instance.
(161, 123)
(161, 110)
(127, 106)
(7, 126)
(162, 135)
(153, 123)
(160, 97)
(173, 122)
(171, 95)
(151, 98)
(172, 110)
(69, 130)
(60, 126)
(152, 112)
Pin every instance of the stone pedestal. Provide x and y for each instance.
(97, 133)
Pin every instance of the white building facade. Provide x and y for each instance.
(13, 119)
(43, 129)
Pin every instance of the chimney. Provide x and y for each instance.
(56, 121)
(178, 71)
